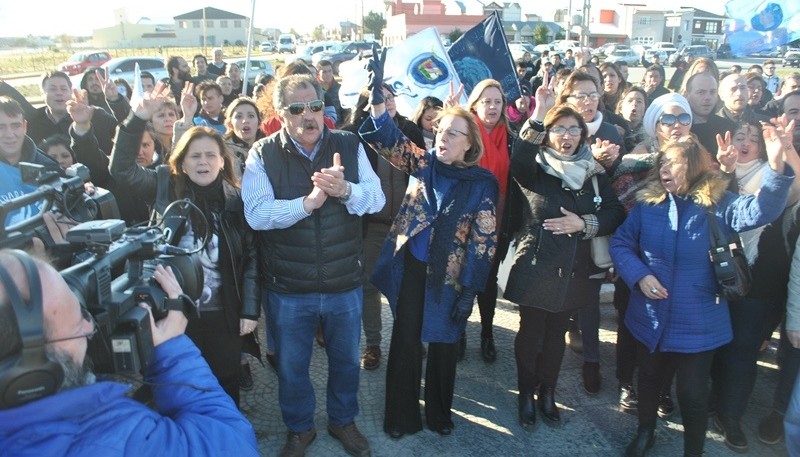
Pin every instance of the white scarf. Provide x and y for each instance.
(749, 176)
(594, 125)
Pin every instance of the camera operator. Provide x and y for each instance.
(16, 147)
(192, 416)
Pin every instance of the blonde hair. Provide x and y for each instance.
(473, 155)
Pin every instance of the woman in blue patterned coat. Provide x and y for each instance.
(661, 252)
(436, 258)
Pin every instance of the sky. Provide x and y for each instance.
(79, 17)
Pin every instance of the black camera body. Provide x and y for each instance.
(97, 250)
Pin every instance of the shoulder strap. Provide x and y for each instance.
(717, 237)
(597, 198)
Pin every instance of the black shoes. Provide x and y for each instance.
(628, 401)
(547, 405)
(353, 441)
(645, 438)
(591, 377)
(665, 406)
(527, 411)
(245, 377)
(731, 429)
(770, 429)
(296, 443)
(488, 351)
(462, 346)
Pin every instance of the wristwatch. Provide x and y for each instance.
(182, 303)
(347, 192)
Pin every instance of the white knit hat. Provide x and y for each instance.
(657, 108)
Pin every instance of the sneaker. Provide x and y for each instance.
(591, 377)
(371, 359)
(665, 406)
(296, 443)
(575, 340)
(628, 401)
(770, 429)
(245, 377)
(731, 429)
(353, 441)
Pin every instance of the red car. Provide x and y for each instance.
(80, 61)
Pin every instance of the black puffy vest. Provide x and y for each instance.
(323, 252)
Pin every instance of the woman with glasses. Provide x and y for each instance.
(568, 200)
(201, 169)
(662, 253)
(757, 88)
(376, 226)
(583, 92)
(487, 103)
(436, 258)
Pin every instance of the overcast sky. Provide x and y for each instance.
(79, 17)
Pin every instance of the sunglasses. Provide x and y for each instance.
(87, 316)
(298, 108)
(670, 119)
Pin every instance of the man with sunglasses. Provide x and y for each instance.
(192, 415)
(305, 189)
(701, 92)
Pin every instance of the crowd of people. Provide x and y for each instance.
(310, 212)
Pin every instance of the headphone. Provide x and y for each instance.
(27, 375)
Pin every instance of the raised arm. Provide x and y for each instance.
(83, 141)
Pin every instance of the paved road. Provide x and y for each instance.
(485, 407)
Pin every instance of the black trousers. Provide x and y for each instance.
(220, 347)
(487, 300)
(539, 347)
(404, 367)
(693, 373)
(626, 343)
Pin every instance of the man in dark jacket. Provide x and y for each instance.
(701, 92)
(331, 88)
(733, 92)
(179, 74)
(53, 118)
(103, 93)
(193, 416)
(307, 205)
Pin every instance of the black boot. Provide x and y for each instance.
(527, 411)
(731, 429)
(547, 405)
(645, 438)
(488, 351)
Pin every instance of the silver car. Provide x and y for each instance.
(629, 56)
(124, 67)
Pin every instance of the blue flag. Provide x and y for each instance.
(762, 24)
(482, 53)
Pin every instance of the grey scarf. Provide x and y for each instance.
(572, 170)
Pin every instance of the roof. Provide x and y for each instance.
(211, 13)
(552, 26)
(706, 14)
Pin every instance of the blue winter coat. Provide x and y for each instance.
(99, 420)
(668, 237)
(474, 242)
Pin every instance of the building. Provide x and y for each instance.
(211, 27)
(404, 19)
(707, 28)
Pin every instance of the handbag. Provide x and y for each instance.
(600, 255)
(731, 269)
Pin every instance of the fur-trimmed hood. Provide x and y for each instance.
(706, 192)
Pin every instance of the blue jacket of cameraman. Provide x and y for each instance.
(192, 416)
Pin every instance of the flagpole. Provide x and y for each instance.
(249, 47)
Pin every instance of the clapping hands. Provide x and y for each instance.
(605, 152)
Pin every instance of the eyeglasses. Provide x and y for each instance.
(490, 102)
(298, 108)
(450, 132)
(572, 131)
(389, 97)
(593, 96)
(670, 119)
(86, 316)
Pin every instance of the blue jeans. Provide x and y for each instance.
(296, 317)
(791, 422)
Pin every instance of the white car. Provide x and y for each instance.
(267, 46)
(258, 65)
(124, 67)
(518, 48)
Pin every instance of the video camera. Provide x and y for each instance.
(124, 343)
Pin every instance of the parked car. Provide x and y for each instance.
(627, 55)
(662, 54)
(307, 54)
(540, 48)
(342, 52)
(518, 48)
(124, 67)
(80, 61)
(724, 51)
(667, 47)
(791, 59)
(268, 46)
(563, 45)
(257, 65)
(695, 51)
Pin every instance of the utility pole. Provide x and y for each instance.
(587, 5)
(569, 21)
(204, 31)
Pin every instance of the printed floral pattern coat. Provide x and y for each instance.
(474, 241)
